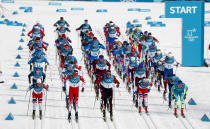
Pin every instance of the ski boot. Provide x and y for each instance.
(146, 110)
(69, 116)
(33, 114)
(182, 112)
(175, 112)
(164, 95)
(76, 116)
(169, 105)
(104, 115)
(136, 103)
(140, 110)
(111, 116)
(40, 114)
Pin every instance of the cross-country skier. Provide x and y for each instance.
(37, 62)
(179, 90)
(39, 25)
(72, 89)
(62, 32)
(37, 96)
(36, 32)
(106, 82)
(140, 73)
(172, 80)
(143, 90)
(84, 27)
(100, 67)
(37, 73)
(61, 22)
(169, 63)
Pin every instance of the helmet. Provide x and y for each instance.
(101, 57)
(75, 73)
(133, 49)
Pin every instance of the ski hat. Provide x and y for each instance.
(75, 73)
(133, 50)
(66, 46)
(101, 57)
(38, 81)
(153, 44)
(39, 54)
(40, 45)
(170, 55)
(132, 58)
(36, 27)
(108, 72)
(63, 36)
(86, 20)
(145, 32)
(149, 34)
(69, 66)
(141, 65)
(179, 82)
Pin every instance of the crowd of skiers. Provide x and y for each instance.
(137, 61)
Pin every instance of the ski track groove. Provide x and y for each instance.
(146, 121)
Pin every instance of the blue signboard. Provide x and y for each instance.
(192, 14)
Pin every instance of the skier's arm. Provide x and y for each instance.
(90, 28)
(186, 89)
(45, 87)
(116, 81)
(67, 24)
(44, 47)
(30, 32)
(29, 78)
(109, 65)
(80, 27)
(29, 88)
(44, 76)
(78, 67)
(155, 40)
(56, 24)
(97, 82)
(82, 79)
(102, 46)
(42, 33)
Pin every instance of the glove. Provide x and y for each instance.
(64, 88)
(47, 87)
(83, 89)
(80, 67)
(185, 96)
(117, 85)
(135, 93)
(173, 97)
(148, 90)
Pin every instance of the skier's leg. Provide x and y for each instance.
(140, 101)
(110, 101)
(175, 103)
(70, 98)
(182, 102)
(169, 95)
(76, 95)
(145, 97)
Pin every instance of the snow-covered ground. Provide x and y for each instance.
(125, 114)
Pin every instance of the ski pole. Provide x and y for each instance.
(29, 102)
(45, 103)
(94, 104)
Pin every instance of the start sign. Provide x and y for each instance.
(183, 9)
(192, 14)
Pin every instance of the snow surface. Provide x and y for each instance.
(125, 114)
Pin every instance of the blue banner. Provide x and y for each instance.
(192, 14)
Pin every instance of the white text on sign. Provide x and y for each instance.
(183, 10)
